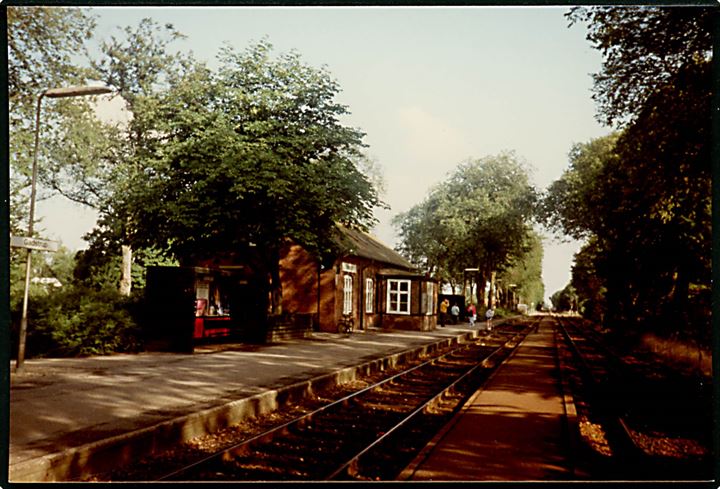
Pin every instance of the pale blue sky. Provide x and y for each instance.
(429, 86)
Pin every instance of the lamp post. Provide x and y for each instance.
(50, 93)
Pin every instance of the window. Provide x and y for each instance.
(398, 296)
(347, 294)
(369, 295)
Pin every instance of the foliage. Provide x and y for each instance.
(76, 321)
(98, 267)
(105, 161)
(83, 316)
(87, 159)
(524, 275)
(41, 43)
(565, 299)
(588, 282)
(643, 195)
(570, 204)
(252, 155)
(643, 50)
(479, 218)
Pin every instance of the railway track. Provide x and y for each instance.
(370, 434)
(640, 423)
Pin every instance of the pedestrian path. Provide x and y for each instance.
(63, 411)
(515, 429)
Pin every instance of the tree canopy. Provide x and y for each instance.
(643, 196)
(250, 156)
(41, 42)
(644, 49)
(479, 218)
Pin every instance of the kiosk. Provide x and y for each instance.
(187, 305)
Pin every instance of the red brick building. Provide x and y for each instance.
(221, 298)
(371, 283)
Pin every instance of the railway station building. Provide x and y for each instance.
(369, 284)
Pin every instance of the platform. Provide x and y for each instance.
(71, 415)
(517, 428)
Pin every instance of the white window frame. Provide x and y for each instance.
(347, 294)
(369, 295)
(394, 289)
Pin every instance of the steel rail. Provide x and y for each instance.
(351, 465)
(623, 444)
(245, 446)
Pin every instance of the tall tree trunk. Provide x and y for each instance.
(126, 278)
(491, 292)
(480, 289)
(275, 284)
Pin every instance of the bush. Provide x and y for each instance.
(78, 321)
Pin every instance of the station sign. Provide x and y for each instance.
(34, 243)
(349, 267)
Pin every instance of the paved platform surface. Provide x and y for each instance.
(58, 404)
(515, 429)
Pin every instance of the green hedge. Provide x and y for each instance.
(78, 321)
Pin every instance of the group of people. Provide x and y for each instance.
(455, 314)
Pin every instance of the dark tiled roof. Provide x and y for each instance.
(366, 246)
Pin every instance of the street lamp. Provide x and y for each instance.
(50, 93)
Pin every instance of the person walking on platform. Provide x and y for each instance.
(472, 314)
(488, 316)
(455, 312)
(443, 312)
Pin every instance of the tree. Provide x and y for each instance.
(523, 278)
(647, 197)
(565, 299)
(251, 156)
(139, 67)
(570, 204)
(40, 45)
(644, 48)
(588, 282)
(428, 234)
(479, 218)
(41, 41)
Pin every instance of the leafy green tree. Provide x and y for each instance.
(41, 41)
(479, 218)
(251, 156)
(570, 204)
(428, 232)
(565, 299)
(588, 282)
(644, 49)
(40, 44)
(139, 66)
(650, 224)
(523, 278)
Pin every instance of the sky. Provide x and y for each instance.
(430, 87)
